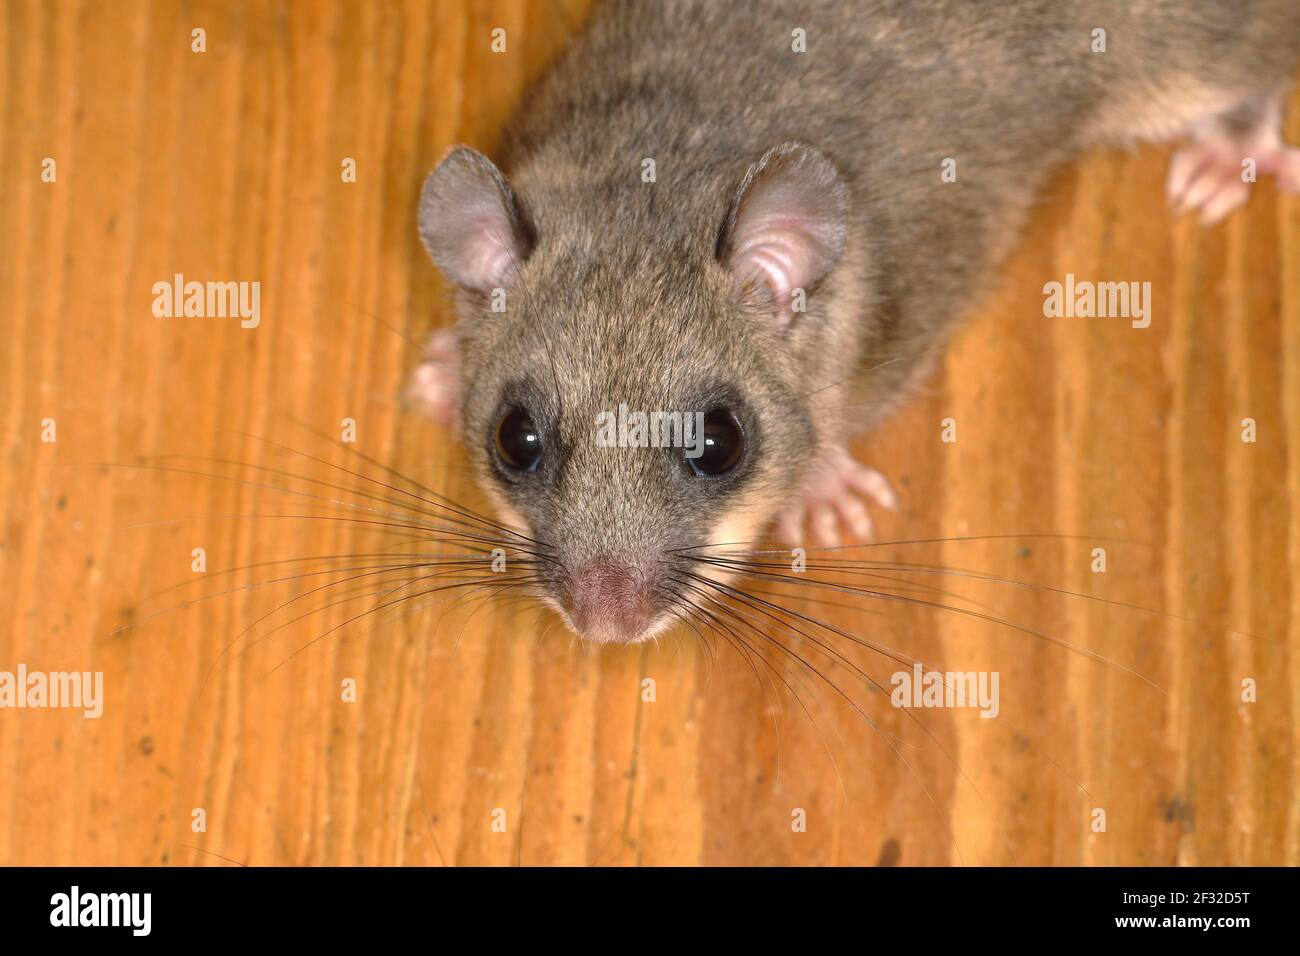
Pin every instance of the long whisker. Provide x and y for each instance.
(844, 567)
(257, 585)
(490, 582)
(939, 606)
(467, 566)
(893, 655)
(292, 491)
(745, 649)
(284, 473)
(865, 716)
(433, 496)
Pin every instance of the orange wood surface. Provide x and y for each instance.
(1072, 434)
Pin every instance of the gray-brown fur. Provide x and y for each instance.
(622, 297)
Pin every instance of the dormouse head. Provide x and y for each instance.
(635, 399)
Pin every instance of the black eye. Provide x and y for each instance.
(518, 443)
(724, 444)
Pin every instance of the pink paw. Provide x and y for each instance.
(1212, 175)
(833, 501)
(1206, 176)
(435, 383)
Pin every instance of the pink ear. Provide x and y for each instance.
(469, 222)
(787, 226)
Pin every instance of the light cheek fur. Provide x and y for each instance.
(743, 522)
(509, 515)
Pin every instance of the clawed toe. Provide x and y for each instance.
(832, 506)
(1208, 178)
(1211, 175)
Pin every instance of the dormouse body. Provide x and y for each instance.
(765, 218)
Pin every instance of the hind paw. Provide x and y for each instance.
(1215, 173)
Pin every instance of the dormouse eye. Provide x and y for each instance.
(519, 445)
(724, 444)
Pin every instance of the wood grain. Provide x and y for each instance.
(1072, 434)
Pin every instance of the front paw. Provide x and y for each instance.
(834, 503)
(434, 388)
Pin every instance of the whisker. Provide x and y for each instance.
(434, 497)
(487, 582)
(474, 566)
(902, 659)
(283, 473)
(838, 566)
(332, 502)
(979, 615)
(409, 563)
(866, 717)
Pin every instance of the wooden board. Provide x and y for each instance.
(1072, 435)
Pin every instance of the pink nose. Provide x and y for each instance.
(609, 601)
